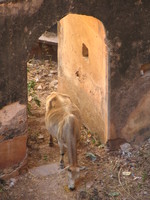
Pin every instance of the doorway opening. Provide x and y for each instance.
(42, 80)
(87, 70)
(81, 72)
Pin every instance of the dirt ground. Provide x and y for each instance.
(122, 174)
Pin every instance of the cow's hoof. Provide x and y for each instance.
(71, 188)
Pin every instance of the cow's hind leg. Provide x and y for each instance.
(61, 155)
(51, 144)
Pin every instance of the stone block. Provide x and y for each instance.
(12, 151)
(13, 135)
(13, 121)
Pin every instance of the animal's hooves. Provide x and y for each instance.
(71, 188)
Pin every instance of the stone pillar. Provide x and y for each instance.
(83, 69)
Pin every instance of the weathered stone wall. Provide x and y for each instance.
(127, 25)
(83, 71)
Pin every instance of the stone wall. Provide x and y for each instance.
(127, 26)
(128, 40)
